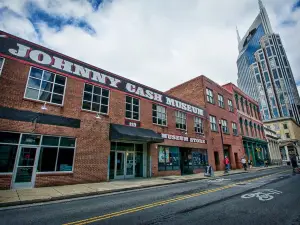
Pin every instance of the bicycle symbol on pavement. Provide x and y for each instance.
(262, 195)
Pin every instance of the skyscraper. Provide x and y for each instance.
(264, 72)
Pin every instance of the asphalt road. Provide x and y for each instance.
(236, 199)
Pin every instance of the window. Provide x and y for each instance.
(263, 65)
(241, 126)
(224, 126)
(275, 113)
(276, 61)
(168, 158)
(273, 50)
(7, 157)
(256, 70)
(281, 50)
(199, 159)
(261, 56)
(56, 154)
(198, 125)
(180, 120)
(288, 73)
(273, 101)
(285, 126)
(278, 84)
(1, 64)
(285, 61)
(275, 75)
(271, 41)
(45, 86)
(278, 41)
(221, 101)
(230, 106)
(269, 51)
(159, 115)
(285, 111)
(280, 73)
(266, 76)
(234, 129)
(213, 123)
(287, 135)
(95, 99)
(258, 78)
(209, 96)
(132, 108)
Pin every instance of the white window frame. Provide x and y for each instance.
(163, 111)
(52, 103)
(234, 128)
(213, 123)
(131, 110)
(209, 96)
(2, 65)
(92, 94)
(224, 125)
(230, 105)
(198, 125)
(181, 119)
(220, 100)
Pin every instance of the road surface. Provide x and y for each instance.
(265, 197)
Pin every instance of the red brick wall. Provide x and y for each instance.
(195, 91)
(93, 145)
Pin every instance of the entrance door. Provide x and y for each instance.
(129, 165)
(25, 168)
(120, 165)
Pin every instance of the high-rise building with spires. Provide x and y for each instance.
(264, 72)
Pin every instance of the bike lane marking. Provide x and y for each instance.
(160, 203)
(263, 194)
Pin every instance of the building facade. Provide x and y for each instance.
(250, 125)
(273, 146)
(288, 130)
(224, 138)
(264, 72)
(63, 121)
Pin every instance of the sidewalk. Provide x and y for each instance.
(45, 194)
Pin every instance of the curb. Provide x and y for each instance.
(99, 193)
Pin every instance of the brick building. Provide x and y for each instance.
(250, 124)
(223, 138)
(63, 121)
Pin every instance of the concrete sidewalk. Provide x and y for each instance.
(44, 194)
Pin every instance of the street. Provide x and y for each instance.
(264, 197)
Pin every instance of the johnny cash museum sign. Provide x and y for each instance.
(183, 138)
(20, 49)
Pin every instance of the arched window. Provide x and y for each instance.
(246, 127)
(241, 126)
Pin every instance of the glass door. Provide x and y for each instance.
(120, 165)
(130, 165)
(25, 168)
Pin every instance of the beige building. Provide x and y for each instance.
(273, 146)
(289, 133)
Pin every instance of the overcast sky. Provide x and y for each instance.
(160, 43)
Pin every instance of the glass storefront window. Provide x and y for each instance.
(50, 140)
(30, 139)
(6, 137)
(7, 157)
(168, 158)
(68, 142)
(65, 159)
(200, 159)
(47, 159)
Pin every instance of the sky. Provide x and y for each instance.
(157, 43)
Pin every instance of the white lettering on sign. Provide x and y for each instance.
(143, 92)
(32, 53)
(132, 124)
(182, 138)
(262, 195)
(184, 106)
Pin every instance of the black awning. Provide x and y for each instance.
(127, 133)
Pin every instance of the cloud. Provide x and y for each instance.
(158, 43)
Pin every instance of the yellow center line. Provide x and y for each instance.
(155, 204)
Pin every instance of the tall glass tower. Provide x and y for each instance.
(264, 72)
